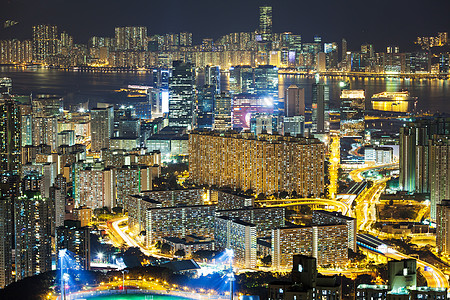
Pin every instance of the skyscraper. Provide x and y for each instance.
(443, 227)
(10, 134)
(131, 38)
(222, 112)
(6, 232)
(439, 170)
(205, 106)
(344, 49)
(320, 108)
(295, 101)
(75, 238)
(102, 120)
(181, 95)
(212, 77)
(352, 113)
(265, 23)
(45, 42)
(32, 234)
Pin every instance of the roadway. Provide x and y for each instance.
(333, 205)
(356, 176)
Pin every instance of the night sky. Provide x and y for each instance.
(381, 22)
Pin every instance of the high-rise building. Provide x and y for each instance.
(266, 164)
(352, 113)
(181, 95)
(131, 38)
(212, 77)
(102, 120)
(205, 106)
(320, 108)
(414, 153)
(222, 112)
(10, 135)
(265, 23)
(32, 219)
(242, 80)
(238, 236)
(327, 243)
(96, 188)
(323, 217)
(75, 238)
(443, 227)
(6, 242)
(295, 101)
(45, 42)
(344, 50)
(266, 85)
(439, 170)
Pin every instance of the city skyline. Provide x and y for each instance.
(332, 21)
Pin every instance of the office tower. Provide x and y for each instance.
(66, 138)
(323, 217)
(238, 236)
(443, 227)
(241, 80)
(320, 108)
(32, 229)
(181, 94)
(96, 188)
(321, 62)
(102, 120)
(265, 23)
(58, 199)
(444, 63)
(402, 275)
(263, 123)
(44, 105)
(75, 238)
(212, 77)
(10, 135)
(266, 84)
(327, 243)
(205, 106)
(160, 92)
(439, 170)
(294, 125)
(352, 113)
(222, 112)
(6, 232)
(131, 38)
(244, 105)
(295, 101)
(45, 42)
(344, 50)
(414, 153)
(245, 162)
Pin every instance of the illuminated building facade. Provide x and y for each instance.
(443, 227)
(97, 188)
(32, 228)
(439, 170)
(265, 219)
(295, 101)
(394, 102)
(76, 239)
(131, 38)
(222, 112)
(245, 105)
(205, 106)
(320, 108)
(238, 236)
(179, 222)
(6, 242)
(352, 113)
(131, 180)
(323, 217)
(102, 122)
(45, 42)
(327, 243)
(10, 134)
(266, 164)
(181, 95)
(265, 23)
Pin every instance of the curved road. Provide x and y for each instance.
(340, 206)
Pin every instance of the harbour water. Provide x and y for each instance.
(76, 86)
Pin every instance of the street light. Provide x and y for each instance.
(123, 279)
